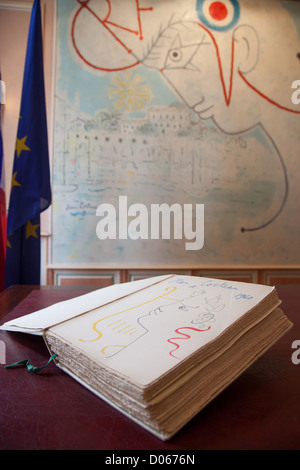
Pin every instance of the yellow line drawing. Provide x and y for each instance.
(130, 92)
(100, 334)
(125, 328)
(120, 324)
(130, 332)
(111, 324)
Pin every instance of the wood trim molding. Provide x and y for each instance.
(23, 6)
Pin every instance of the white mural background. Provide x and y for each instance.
(178, 101)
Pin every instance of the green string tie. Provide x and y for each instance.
(30, 367)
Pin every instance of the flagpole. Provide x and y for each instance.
(31, 188)
(3, 215)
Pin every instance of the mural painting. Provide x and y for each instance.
(183, 102)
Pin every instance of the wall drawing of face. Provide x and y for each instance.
(195, 71)
(207, 63)
(231, 62)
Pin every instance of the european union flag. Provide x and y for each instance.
(31, 187)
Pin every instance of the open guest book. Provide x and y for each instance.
(160, 349)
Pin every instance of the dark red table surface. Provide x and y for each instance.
(50, 410)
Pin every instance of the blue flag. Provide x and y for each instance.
(30, 187)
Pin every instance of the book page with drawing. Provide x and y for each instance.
(145, 334)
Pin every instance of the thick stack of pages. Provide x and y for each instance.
(160, 349)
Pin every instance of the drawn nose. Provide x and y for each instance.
(198, 106)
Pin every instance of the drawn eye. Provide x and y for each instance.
(183, 307)
(181, 57)
(175, 55)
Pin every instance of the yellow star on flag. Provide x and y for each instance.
(31, 230)
(14, 182)
(20, 145)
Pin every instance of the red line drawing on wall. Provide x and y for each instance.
(182, 336)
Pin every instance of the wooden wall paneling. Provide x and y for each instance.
(83, 277)
(241, 275)
(102, 277)
(279, 277)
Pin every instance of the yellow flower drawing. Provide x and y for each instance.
(130, 92)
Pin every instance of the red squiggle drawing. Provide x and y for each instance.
(183, 336)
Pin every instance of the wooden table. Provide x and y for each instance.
(260, 410)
